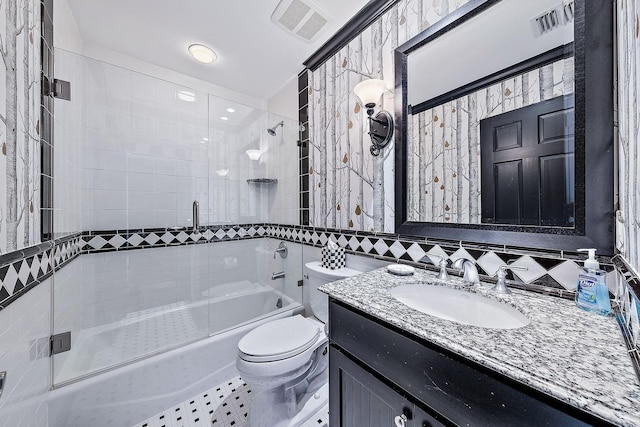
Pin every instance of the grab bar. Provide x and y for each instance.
(196, 215)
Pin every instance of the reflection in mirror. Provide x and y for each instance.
(490, 130)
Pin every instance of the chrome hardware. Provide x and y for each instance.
(400, 420)
(282, 250)
(469, 269)
(442, 275)
(501, 285)
(3, 378)
(59, 343)
(279, 275)
(196, 216)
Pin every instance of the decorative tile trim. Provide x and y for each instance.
(551, 272)
(118, 240)
(22, 270)
(627, 309)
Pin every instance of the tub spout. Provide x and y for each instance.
(275, 276)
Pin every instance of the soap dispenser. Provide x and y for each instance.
(592, 293)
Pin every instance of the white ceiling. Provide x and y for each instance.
(255, 57)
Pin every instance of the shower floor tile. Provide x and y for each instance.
(225, 405)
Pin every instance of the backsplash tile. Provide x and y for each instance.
(627, 308)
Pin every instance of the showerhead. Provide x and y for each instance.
(272, 131)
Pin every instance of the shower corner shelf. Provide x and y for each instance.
(262, 181)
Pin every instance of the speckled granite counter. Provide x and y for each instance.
(575, 356)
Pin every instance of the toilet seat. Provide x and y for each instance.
(279, 339)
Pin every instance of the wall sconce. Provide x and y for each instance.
(369, 93)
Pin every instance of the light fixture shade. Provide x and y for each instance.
(254, 154)
(370, 91)
(202, 53)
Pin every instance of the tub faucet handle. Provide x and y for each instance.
(282, 250)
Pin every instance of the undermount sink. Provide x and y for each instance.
(460, 306)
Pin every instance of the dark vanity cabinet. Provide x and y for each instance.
(380, 375)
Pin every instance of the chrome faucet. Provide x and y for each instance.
(196, 216)
(275, 276)
(471, 276)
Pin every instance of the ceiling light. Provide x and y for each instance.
(186, 96)
(224, 118)
(231, 110)
(204, 140)
(202, 53)
(222, 172)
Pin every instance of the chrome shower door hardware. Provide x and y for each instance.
(3, 377)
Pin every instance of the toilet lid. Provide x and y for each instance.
(278, 339)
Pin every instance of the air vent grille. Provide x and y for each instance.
(300, 18)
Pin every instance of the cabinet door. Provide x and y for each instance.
(423, 419)
(359, 399)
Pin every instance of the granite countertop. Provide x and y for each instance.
(578, 357)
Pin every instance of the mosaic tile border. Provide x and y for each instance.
(22, 270)
(628, 309)
(549, 272)
(118, 240)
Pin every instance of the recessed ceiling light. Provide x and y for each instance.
(204, 140)
(224, 118)
(231, 110)
(186, 96)
(202, 53)
(222, 172)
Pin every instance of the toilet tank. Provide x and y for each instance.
(318, 275)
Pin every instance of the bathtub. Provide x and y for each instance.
(135, 391)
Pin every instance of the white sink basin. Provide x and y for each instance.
(459, 306)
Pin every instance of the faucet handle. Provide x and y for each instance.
(443, 275)
(501, 285)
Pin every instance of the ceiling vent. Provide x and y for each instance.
(302, 18)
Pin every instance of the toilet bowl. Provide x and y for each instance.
(285, 361)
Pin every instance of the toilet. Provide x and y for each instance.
(285, 361)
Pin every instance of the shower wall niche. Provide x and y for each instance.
(134, 151)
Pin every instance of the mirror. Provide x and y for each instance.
(492, 135)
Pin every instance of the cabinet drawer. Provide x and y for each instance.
(453, 387)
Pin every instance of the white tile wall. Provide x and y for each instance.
(24, 338)
(136, 155)
(67, 155)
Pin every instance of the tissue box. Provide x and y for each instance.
(333, 258)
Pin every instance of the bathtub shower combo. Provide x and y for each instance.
(179, 266)
(181, 339)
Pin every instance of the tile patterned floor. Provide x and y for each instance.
(225, 405)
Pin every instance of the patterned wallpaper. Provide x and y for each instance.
(19, 124)
(445, 143)
(347, 184)
(628, 219)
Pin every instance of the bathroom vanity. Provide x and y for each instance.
(393, 365)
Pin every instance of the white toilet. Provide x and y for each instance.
(285, 361)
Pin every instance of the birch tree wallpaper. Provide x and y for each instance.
(19, 124)
(628, 221)
(444, 143)
(347, 184)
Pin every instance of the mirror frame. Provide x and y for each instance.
(594, 140)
